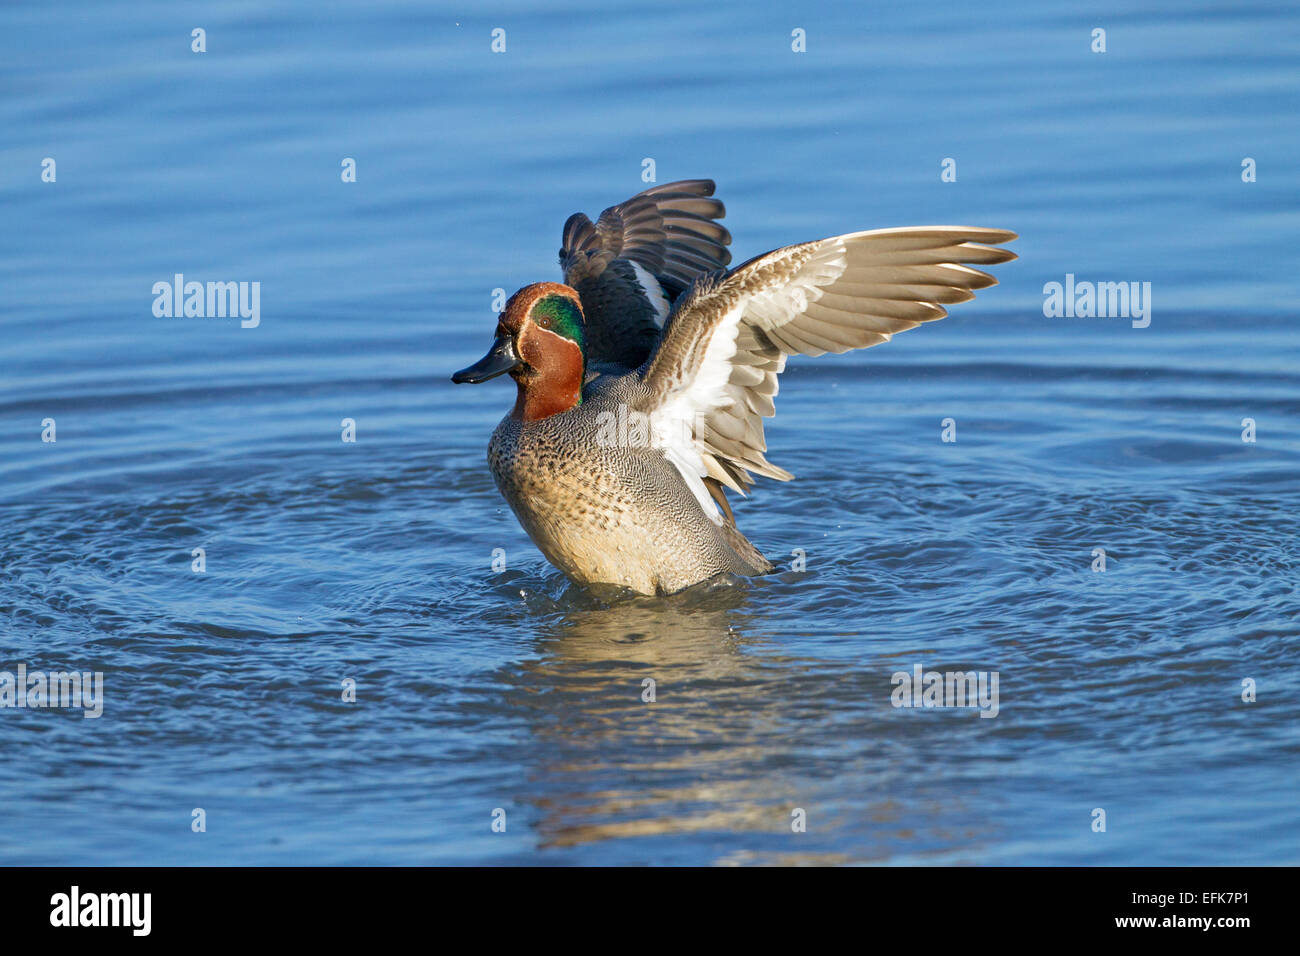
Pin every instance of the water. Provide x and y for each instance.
(371, 561)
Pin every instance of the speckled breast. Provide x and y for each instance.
(600, 510)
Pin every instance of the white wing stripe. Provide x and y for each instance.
(653, 291)
(676, 422)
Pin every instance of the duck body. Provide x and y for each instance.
(610, 512)
(642, 382)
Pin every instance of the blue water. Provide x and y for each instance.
(371, 561)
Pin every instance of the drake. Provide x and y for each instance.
(643, 380)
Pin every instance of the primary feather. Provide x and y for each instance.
(713, 374)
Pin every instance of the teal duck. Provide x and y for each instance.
(643, 380)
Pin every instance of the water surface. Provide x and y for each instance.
(372, 561)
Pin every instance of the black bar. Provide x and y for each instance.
(918, 906)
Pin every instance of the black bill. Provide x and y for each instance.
(501, 358)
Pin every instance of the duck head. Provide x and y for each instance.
(539, 342)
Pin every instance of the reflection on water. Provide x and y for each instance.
(733, 742)
(594, 667)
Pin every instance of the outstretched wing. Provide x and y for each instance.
(713, 377)
(637, 258)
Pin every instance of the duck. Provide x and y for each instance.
(643, 379)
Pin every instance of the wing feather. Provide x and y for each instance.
(637, 257)
(713, 376)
